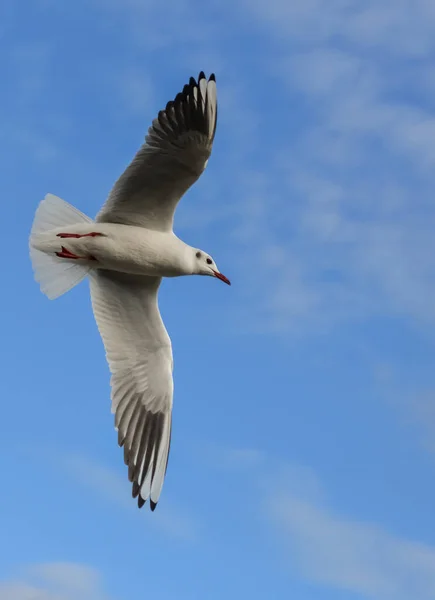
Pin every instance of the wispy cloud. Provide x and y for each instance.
(136, 16)
(345, 553)
(231, 458)
(403, 28)
(116, 488)
(55, 581)
(334, 550)
(349, 227)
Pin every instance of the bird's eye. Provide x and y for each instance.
(198, 255)
(209, 261)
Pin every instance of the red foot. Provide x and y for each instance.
(79, 235)
(67, 254)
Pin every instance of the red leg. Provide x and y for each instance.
(79, 235)
(67, 254)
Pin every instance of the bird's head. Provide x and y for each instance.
(205, 265)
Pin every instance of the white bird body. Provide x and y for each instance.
(125, 252)
(124, 248)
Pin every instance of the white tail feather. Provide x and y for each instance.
(56, 276)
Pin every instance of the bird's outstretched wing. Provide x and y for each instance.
(175, 153)
(138, 350)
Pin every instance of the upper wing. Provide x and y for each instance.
(139, 354)
(175, 153)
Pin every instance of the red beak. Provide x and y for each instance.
(222, 277)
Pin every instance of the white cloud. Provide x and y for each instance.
(55, 581)
(348, 234)
(343, 553)
(403, 27)
(230, 458)
(332, 549)
(182, 23)
(99, 477)
(116, 488)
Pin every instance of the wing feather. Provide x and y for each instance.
(139, 354)
(176, 150)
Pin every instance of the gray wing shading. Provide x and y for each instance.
(139, 353)
(175, 153)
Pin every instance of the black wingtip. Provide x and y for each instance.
(153, 505)
(140, 501)
(202, 75)
(193, 83)
(136, 489)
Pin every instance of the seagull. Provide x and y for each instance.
(125, 252)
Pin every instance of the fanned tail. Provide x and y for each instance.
(55, 276)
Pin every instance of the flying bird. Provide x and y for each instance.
(125, 252)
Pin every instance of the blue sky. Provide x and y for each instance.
(303, 455)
